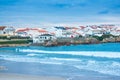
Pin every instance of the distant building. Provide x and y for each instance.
(2, 30)
(97, 32)
(60, 31)
(9, 31)
(31, 32)
(21, 32)
(43, 38)
(65, 32)
(116, 32)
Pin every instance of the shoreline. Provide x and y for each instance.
(60, 41)
(51, 45)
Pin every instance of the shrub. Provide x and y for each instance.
(3, 37)
(98, 38)
(14, 42)
(107, 36)
(19, 37)
(103, 36)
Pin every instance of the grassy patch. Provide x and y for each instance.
(14, 42)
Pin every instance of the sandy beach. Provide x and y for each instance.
(8, 76)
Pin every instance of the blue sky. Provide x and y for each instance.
(58, 12)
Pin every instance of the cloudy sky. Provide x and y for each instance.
(58, 12)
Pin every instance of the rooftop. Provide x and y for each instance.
(2, 27)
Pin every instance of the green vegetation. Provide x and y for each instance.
(98, 38)
(3, 37)
(14, 40)
(18, 37)
(103, 37)
(107, 35)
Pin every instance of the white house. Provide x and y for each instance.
(9, 31)
(116, 32)
(43, 38)
(22, 32)
(2, 30)
(59, 31)
(96, 31)
(31, 32)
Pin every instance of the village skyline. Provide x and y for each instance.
(54, 25)
(83, 30)
(52, 36)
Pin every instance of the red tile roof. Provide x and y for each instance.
(53, 33)
(2, 27)
(27, 29)
(23, 30)
(94, 27)
(82, 27)
(34, 29)
(42, 30)
(75, 28)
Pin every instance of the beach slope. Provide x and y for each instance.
(8, 76)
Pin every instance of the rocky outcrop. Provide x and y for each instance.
(67, 42)
(71, 41)
(117, 39)
(112, 39)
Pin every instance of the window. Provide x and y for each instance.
(45, 37)
(40, 37)
(4, 32)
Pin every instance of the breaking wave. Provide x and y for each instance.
(105, 62)
(29, 59)
(32, 54)
(105, 67)
(82, 53)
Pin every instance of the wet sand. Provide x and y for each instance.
(33, 71)
(8, 76)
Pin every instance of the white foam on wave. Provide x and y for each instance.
(29, 59)
(32, 54)
(52, 60)
(108, 67)
(58, 63)
(116, 64)
(82, 53)
(65, 59)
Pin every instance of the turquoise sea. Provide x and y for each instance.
(68, 61)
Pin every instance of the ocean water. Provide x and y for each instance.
(74, 60)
